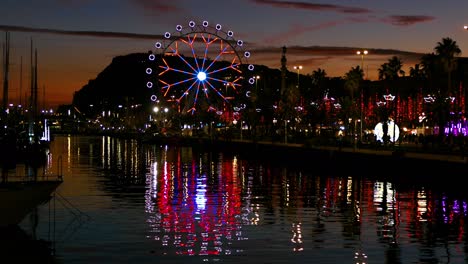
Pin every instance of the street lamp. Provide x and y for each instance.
(156, 109)
(256, 81)
(362, 53)
(298, 68)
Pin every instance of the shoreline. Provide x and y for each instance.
(405, 155)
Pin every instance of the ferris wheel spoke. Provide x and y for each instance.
(223, 82)
(182, 71)
(217, 57)
(219, 70)
(190, 44)
(216, 91)
(215, 79)
(193, 110)
(208, 42)
(184, 60)
(168, 86)
(236, 82)
(168, 68)
(235, 65)
(211, 109)
(185, 94)
(195, 99)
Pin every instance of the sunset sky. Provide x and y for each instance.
(77, 39)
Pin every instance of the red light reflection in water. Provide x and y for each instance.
(193, 210)
(197, 206)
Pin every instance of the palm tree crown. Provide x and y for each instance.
(447, 50)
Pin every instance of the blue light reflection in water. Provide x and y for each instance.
(150, 203)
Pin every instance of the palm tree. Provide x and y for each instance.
(353, 79)
(319, 79)
(391, 70)
(314, 93)
(416, 72)
(318, 76)
(430, 66)
(287, 106)
(418, 76)
(447, 50)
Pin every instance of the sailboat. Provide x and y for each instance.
(19, 195)
(31, 146)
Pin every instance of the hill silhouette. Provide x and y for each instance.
(124, 82)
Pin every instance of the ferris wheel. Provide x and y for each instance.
(200, 67)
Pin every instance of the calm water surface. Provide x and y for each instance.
(125, 202)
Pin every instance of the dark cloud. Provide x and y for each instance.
(334, 51)
(165, 6)
(309, 50)
(314, 53)
(98, 34)
(297, 30)
(101, 34)
(312, 6)
(407, 20)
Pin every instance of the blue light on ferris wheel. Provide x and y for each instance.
(201, 76)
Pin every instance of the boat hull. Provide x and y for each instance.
(18, 199)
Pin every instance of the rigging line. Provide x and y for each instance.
(51, 226)
(67, 235)
(55, 220)
(77, 221)
(48, 231)
(69, 205)
(76, 214)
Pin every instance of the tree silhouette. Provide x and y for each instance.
(447, 50)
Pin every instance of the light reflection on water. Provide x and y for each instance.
(158, 203)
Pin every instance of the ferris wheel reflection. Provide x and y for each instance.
(189, 214)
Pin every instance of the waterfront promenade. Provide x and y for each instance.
(403, 158)
(404, 150)
(401, 151)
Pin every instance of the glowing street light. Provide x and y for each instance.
(298, 68)
(362, 53)
(256, 81)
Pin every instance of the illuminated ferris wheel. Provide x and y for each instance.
(200, 68)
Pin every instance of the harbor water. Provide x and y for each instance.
(123, 201)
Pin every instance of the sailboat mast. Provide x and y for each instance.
(35, 84)
(21, 81)
(6, 56)
(32, 79)
(31, 100)
(43, 98)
